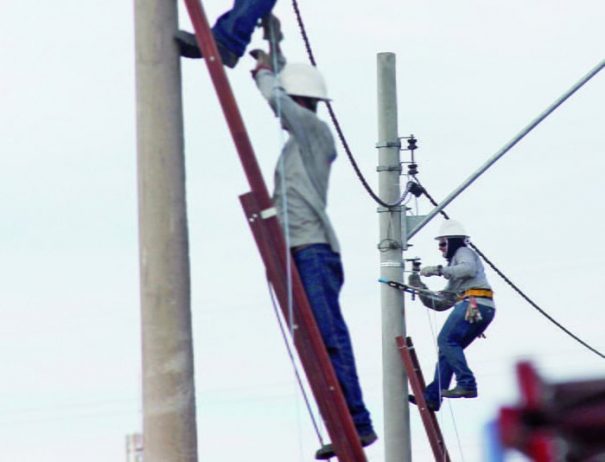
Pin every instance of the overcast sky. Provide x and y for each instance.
(470, 75)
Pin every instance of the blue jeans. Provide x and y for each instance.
(456, 334)
(235, 27)
(322, 277)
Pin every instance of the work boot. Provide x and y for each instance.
(189, 48)
(327, 450)
(459, 392)
(433, 406)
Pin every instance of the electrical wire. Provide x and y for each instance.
(277, 61)
(283, 185)
(293, 362)
(515, 287)
(335, 122)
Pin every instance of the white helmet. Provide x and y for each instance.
(300, 79)
(451, 228)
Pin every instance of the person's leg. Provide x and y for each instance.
(441, 381)
(321, 273)
(234, 28)
(456, 335)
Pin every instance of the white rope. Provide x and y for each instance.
(436, 347)
(317, 423)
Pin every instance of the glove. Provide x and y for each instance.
(430, 271)
(263, 61)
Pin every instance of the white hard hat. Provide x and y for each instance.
(451, 228)
(299, 79)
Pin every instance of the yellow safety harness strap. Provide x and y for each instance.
(481, 293)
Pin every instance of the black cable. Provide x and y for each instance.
(514, 286)
(335, 122)
(532, 303)
(384, 204)
(292, 360)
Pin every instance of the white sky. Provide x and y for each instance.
(470, 75)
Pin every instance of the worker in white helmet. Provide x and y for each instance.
(471, 296)
(300, 196)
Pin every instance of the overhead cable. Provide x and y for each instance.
(294, 366)
(517, 289)
(335, 121)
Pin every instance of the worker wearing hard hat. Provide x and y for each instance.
(471, 296)
(300, 196)
(232, 30)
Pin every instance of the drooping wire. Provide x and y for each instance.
(294, 366)
(436, 347)
(335, 122)
(516, 288)
(276, 64)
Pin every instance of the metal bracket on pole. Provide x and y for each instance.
(389, 168)
(395, 208)
(389, 144)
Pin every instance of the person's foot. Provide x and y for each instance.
(189, 48)
(433, 406)
(459, 392)
(327, 451)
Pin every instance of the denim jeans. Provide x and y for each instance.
(235, 27)
(321, 272)
(456, 334)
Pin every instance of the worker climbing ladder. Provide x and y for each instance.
(262, 218)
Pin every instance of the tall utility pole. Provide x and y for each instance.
(391, 246)
(169, 425)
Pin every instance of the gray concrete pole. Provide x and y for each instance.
(169, 425)
(395, 387)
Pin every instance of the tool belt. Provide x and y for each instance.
(480, 293)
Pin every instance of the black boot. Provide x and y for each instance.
(430, 404)
(188, 48)
(327, 450)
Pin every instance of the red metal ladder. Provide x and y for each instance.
(416, 379)
(269, 238)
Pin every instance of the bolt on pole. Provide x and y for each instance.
(169, 423)
(391, 244)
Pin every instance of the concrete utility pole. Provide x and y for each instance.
(169, 426)
(391, 245)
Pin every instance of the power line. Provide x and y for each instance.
(335, 121)
(515, 287)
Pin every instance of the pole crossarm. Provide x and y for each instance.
(507, 147)
(270, 240)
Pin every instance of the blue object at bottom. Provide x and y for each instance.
(322, 276)
(456, 334)
(235, 27)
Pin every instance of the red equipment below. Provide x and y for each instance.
(554, 422)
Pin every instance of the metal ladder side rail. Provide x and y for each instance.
(416, 379)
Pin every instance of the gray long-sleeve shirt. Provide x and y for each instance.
(464, 272)
(307, 157)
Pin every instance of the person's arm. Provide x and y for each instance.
(465, 266)
(438, 301)
(292, 114)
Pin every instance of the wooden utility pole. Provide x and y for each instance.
(169, 424)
